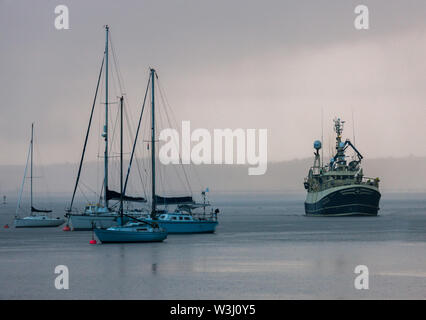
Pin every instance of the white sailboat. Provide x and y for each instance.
(38, 217)
(100, 215)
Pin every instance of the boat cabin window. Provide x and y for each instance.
(162, 216)
(173, 218)
(186, 218)
(180, 218)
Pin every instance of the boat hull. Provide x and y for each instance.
(38, 223)
(86, 222)
(113, 236)
(80, 222)
(177, 227)
(348, 200)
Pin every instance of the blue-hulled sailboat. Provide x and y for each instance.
(135, 230)
(182, 219)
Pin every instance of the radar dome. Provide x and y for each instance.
(317, 144)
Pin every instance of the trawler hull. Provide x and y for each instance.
(359, 200)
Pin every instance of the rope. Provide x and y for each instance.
(166, 105)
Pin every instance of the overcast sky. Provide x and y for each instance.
(223, 64)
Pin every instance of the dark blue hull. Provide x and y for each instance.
(351, 201)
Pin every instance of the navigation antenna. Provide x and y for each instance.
(338, 128)
(353, 127)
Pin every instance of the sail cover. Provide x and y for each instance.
(173, 200)
(39, 210)
(114, 195)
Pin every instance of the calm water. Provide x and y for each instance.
(264, 248)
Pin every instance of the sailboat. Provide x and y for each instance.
(135, 230)
(38, 217)
(182, 219)
(99, 214)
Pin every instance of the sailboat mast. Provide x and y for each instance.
(154, 202)
(121, 159)
(18, 206)
(322, 138)
(106, 120)
(31, 168)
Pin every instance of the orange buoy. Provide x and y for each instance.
(93, 241)
(66, 228)
(6, 226)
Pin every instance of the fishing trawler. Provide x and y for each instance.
(38, 217)
(340, 188)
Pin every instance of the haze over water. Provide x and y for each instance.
(264, 248)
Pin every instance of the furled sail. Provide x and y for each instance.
(39, 210)
(114, 195)
(173, 200)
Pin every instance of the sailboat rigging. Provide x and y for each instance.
(182, 219)
(135, 230)
(104, 216)
(100, 215)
